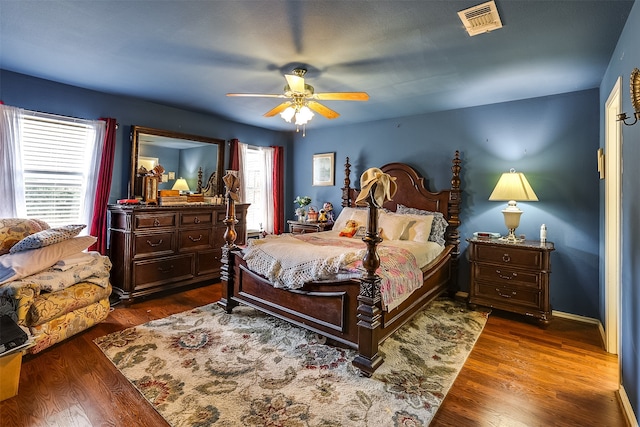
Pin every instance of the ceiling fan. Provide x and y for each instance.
(302, 98)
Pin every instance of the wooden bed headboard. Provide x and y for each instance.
(412, 192)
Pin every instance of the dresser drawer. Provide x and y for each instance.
(162, 270)
(199, 218)
(153, 244)
(155, 220)
(194, 239)
(504, 275)
(495, 295)
(208, 262)
(509, 255)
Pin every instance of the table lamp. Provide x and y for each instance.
(181, 185)
(513, 186)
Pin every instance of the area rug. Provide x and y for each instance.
(205, 367)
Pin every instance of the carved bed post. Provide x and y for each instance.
(346, 190)
(452, 234)
(369, 300)
(227, 269)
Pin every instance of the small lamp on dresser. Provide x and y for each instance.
(513, 187)
(181, 185)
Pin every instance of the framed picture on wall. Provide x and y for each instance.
(323, 168)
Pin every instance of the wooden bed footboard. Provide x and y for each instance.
(350, 312)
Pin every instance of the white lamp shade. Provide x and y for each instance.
(181, 185)
(513, 186)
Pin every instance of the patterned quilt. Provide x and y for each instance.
(290, 261)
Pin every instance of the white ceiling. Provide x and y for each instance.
(412, 57)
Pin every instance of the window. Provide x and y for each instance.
(254, 174)
(55, 154)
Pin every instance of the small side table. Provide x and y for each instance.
(297, 227)
(511, 276)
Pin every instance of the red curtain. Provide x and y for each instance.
(99, 221)
(234, 157)
(278, 190)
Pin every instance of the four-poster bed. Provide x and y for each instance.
(350, 312)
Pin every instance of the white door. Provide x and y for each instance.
(612, 217)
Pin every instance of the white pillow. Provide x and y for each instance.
(356, 214)
(419, 228)
(23, 264)
(392, 225)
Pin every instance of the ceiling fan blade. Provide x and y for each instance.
(342, 96)
(323, 110)
(296, 83)
(258, 95)
(277, 109)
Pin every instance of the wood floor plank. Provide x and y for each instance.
(517, 375)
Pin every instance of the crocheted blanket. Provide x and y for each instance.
(289, 261)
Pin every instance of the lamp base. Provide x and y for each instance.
(511, 237)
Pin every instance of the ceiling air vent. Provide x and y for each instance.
(481, 18)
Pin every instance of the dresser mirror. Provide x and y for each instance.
(197, 159)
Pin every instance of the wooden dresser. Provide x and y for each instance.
(511, 276)
(156, 248)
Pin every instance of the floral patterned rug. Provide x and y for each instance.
(204, 367)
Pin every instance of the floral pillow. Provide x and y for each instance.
(47, 237)
(438, 226)
(12, 230)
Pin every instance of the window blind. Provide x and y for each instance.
(55, 153)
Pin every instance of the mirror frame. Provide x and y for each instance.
(135, 135)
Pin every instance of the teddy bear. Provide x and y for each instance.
(349, 229)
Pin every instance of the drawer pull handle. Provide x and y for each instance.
(513, 293)
(156, 222)
(193, 239)
(165, 270)
(505, 277)
(153, 245)
(196, 220)
(506, 258)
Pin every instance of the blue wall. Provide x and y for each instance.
(553, 140)
(36, 94)
(625, 58)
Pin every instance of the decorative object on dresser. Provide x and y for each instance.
(154, 249)
(297, 227)
(512, 187)
(511, 276)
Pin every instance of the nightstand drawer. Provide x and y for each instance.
(495, 295)
(503, 275)
(509, 255)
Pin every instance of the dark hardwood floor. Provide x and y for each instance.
(516, 375)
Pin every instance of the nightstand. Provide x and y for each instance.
(297, 227)
(511, 276)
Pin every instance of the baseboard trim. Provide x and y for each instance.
(632, 421)
(584, 319)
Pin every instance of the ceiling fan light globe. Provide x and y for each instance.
(288, 114)
(304, 115)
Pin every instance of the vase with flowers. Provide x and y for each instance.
(302, 201)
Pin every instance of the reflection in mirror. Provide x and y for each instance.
(197, 159)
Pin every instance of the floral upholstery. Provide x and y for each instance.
(62, 327)
(12, 230)
(50, 317)
(54, 304)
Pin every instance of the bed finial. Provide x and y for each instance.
(346, 189)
